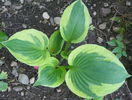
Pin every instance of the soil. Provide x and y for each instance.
(18, 16)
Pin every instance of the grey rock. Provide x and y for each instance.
(24, 25)
(57, 20)
(13, 64)
(106, 4)
(52, 21)
(58, 90)
(99, 40)
(18, 88)
(23, 78)
(105, 11)
(22, 1)
(9, 89)
(102, 26)
(2, 62)
(128, 3)
(94, 13)
(45, 15)
(22, 93)
(14, 72)
(17, 7)
(7, 3)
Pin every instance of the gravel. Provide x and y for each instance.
(105, 11)
(18, 88)
(23, 78)
(57, 20)
(46, 15)
(102, 26)
(7, 3)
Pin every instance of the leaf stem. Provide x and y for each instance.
(67, 46)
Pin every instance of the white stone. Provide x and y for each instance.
(102, 26)
(58, 90)
(1, 62)
(7, 3)
(106, 4)
(23, 78)
(105, 11)
(13, 64)
(24, 25)
(22, 93)
(22, 1)
(57, 20)
(99, 40)
(94, 13)
(32, 80)
(14, 72)
(46, 15)
(18, 88)
(128, 3)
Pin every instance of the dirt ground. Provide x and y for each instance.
(16, 15)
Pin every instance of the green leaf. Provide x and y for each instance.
(29, 46)
(3, 86)
(112, 42)
(56, 43)
(3, 75)
(75, 22)
(119, 55)
(120, 30)
(65, 54)
(3, 37)
(95, 72)
(124, 53)
(50, 76)
(100, 98)
(117, 50)
(116, 19)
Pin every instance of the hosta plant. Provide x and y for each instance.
(92, 71)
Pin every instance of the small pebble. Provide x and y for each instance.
(14, 72)
(1, 62)
(57, 20)
(128, 3)
(94, 13)
(32, 80)
(13, 64)
(22, 93)
(58, 90)
(94, 5)
(22, 1)
(102, 26)
(106, 4)
(111, 38)
(46, 15)
(105, 11)
(99, 40)
(24, 25)
(7, 3)
(18, 88)
(28, 87)
(9, 89)
(23, 78)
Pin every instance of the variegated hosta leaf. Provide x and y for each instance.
(55, 43)
(3, 86)
(29, 46)
(75, 22)
(50, 75)
(95, 71)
